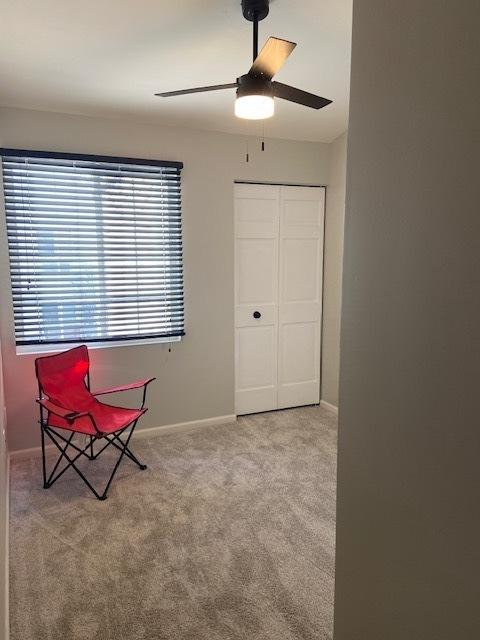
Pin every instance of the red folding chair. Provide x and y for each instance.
(66, 403)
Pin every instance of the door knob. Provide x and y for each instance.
(257, 314)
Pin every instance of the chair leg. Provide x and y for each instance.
(128, 452)
(49, 482)
(124, 450)
(53, 477)
(70, 462)
(44, 463)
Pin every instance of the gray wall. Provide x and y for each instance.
(408, 528)
(334, 220)
(195, 380)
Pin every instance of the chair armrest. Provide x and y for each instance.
(67, 414)
(58, 411)
(124, 387)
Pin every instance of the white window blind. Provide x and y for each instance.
(95, 247)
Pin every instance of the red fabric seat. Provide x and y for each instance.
(64, 386)
(108, 419)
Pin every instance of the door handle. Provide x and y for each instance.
(257, 314)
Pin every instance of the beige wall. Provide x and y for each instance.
(195, 380)
(334, 219)
(408, 527)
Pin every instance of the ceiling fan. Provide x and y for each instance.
(256, 89)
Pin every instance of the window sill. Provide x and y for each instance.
(34, 349)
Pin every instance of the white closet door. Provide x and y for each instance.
(300, 295)
(278, 296)
(256, 292)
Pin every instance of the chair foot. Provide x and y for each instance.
(46, 486)
(102, 497)
(143, 467)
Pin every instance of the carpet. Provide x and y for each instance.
(228, 535)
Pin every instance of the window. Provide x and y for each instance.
(95, 247)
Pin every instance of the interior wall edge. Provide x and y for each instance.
(7, 551)
(408, 481)
(328, 405)
(333, 256)
(4, 511)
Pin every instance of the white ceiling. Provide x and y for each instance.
(108, 57)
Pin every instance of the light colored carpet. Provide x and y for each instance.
(229, 535)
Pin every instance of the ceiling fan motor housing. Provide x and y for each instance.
(254, 86)
(255, 9)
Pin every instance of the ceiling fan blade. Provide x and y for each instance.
(182, 92)
(292, 94)
(271, 58)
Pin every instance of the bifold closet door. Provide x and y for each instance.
(256, 297)
(278, 296)
(300, 295)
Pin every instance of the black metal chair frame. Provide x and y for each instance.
(63, 443)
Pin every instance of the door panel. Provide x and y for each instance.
(297, 343)
(299, 266)
(256, 370)
(256, 291)
(257, 272)
(298, 381)
(300, 295)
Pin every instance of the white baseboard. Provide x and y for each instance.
(150, 432)
(33, 452)
(328, 405)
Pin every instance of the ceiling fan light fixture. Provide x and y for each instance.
(254, 107)
(254, 98)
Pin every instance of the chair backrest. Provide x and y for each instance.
(62, 376)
